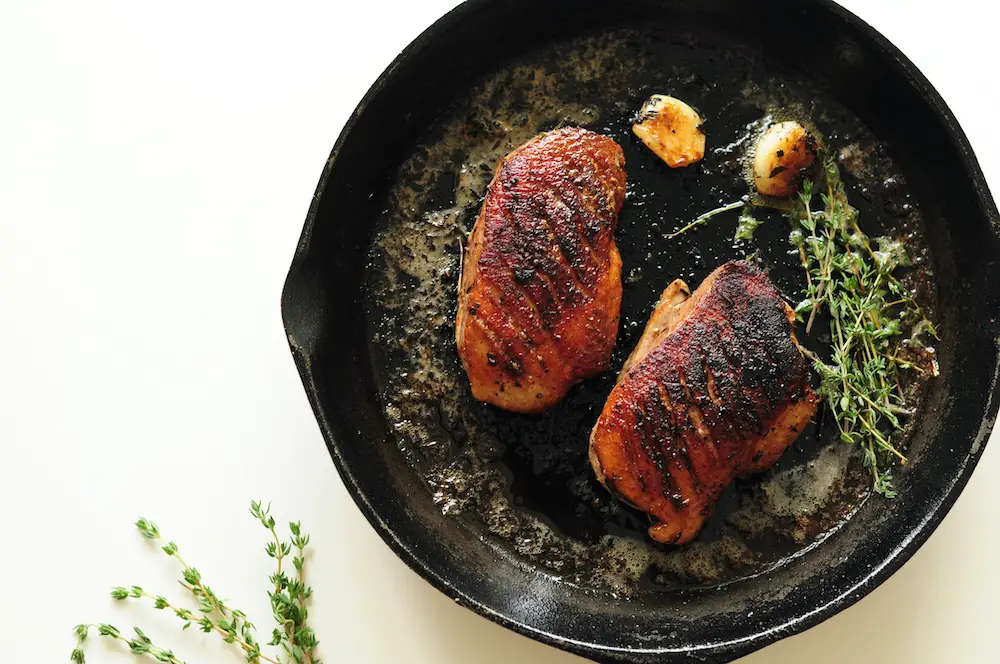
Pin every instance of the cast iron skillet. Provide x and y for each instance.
(330, 328)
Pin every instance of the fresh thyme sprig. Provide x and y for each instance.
(703, 219)
(289, 598)
(747, 223)
(290, 594)
(139, 645)
(869, 309)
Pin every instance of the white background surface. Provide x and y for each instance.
(156, 163)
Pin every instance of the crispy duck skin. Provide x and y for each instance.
(716, 389)
(540, 293)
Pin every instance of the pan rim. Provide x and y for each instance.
(801, 620)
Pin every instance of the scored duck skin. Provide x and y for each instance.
(716, 389)
(540, 294)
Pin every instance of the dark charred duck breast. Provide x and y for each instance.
(540, 293)
(716, 389)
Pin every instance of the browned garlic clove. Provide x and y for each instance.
(671, 129)
(784, 153)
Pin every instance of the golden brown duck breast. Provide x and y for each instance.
(540, 293)
(716, 389)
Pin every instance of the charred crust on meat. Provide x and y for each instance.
(698, 405)
(523, 275)
(539, 265)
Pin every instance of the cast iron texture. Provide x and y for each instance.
(322, 307)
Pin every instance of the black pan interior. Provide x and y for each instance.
(355, 325)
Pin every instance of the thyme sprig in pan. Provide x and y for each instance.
(852, 279)
(876, 327)
(289, 595)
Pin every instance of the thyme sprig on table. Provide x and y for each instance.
(289, 596)
(853, 281)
